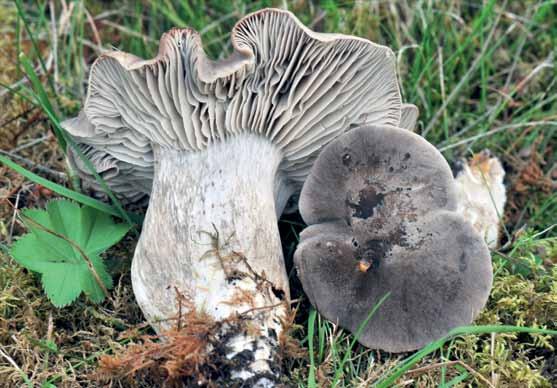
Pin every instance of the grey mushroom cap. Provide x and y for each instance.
(380, 203)
(408, 120)
(297, 88)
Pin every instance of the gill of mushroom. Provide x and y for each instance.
(228, 142)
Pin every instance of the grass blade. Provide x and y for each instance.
(340, 367)
(65, 192)
(389, 380)
(42, 98)
(457, 380)
(63, 139)
(311, 331)
(21, 14)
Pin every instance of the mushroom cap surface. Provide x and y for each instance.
(297, 88)
(380, 204)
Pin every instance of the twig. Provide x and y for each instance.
(45, 170)
(320, 16)
(12, 119)
(49, 331)
(269, 307)
(215, 243)
(65, 17)
(547, 63)
(256, 277)
(179, 297)
(110, 13)
(16, 367)
(98, 50)
(91, 22)
(13, 86)
(14, 217)
(30, 144)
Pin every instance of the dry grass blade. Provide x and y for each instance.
(428, 368)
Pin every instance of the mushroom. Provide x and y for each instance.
(131, 183)
(482, 195)
(409, 117)
(381, 206)
(481, 192)
(125, 166)
(231, 141)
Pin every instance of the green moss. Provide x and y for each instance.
(522, 300)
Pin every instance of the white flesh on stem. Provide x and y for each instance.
(482, 196)
(211, 233)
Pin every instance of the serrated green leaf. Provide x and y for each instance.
(40, 240)
(61, 282)
(90, 286)
(103, 233)
(64, 246)
(65, 218)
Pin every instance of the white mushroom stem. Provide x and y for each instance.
(211, 233)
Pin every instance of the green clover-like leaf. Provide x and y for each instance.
(64, 246)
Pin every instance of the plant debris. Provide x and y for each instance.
(175, 356)
(188, 354)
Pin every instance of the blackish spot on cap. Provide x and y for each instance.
(374, 251)
(368, 200)
(462, 265)
(347, 159)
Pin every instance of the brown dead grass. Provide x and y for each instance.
(58, 345)
(530, 175)
(175, 356)
(188, 354)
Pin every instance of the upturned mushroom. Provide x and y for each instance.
(230, 141)
(381, 208)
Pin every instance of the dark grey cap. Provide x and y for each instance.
(380, 203)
